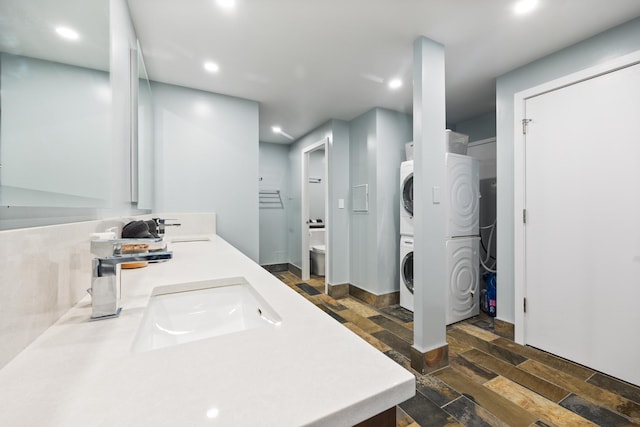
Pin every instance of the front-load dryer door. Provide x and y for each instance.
(462, 279)
(407, 194)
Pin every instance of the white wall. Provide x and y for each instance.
(274, 172)
(207, 148)
(601, 48)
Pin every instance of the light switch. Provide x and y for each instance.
(340, 203)
(435, 195)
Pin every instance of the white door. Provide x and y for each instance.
(582, 232)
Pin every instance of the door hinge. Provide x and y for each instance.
(525, 305)
(524, 216)
(525, 122)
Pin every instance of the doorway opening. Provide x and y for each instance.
(314, 211)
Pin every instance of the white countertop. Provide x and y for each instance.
(308, 370)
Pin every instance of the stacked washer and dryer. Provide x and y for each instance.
(406, 235)
(462, 205)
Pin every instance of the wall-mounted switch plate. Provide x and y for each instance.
(340, 203)
(435, 195)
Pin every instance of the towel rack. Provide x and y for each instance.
(270, 199)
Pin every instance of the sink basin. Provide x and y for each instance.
(187, 312)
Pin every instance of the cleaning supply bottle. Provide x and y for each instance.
(490, 295)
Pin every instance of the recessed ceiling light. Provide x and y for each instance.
(227, 4)
(395, 83)
(524, 6)
(278, 130)
(211, 67)
(67, 33)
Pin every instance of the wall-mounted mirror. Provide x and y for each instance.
(55, 100)
(143, 157)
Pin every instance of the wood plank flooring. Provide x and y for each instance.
(490, 380)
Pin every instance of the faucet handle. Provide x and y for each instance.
(162, 223)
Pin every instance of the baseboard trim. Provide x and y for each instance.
(430, 361)
(295, 270)
(504, 329)
(338, 291)
(378, 301)
(276, 268)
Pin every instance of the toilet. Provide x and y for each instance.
(317, 250)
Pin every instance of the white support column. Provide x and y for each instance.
(429, 350)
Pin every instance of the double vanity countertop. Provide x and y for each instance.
(308, 370)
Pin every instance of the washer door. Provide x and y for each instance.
(407, 194)
(407, 271)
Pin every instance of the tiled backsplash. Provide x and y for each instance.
(44, 271)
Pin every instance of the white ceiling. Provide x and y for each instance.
(27, 27)
(307, 61)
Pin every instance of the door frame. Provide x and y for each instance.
(519, 194)
(304, 209)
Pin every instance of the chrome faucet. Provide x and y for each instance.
(105, 277)
(161, 223)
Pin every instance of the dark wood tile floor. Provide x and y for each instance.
(490, 380)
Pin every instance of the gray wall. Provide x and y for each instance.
(393, 131)
(601, 48)
(362, 169)
(207, 148)
(377, 141)
(478, 128)
(274, 172)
